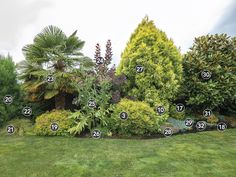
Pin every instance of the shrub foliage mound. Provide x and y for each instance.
(150, 48)
(216, 54)
(142, 119)
(22, 127)
(60, 117)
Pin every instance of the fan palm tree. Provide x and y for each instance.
(53, 53)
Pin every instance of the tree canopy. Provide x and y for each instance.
(52, 65)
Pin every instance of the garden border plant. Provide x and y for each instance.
(138, 98)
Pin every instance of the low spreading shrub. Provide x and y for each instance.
(212, 119)
(180, 124)
(175, 129)
(22, 127)
(60, 117)
(142, 119)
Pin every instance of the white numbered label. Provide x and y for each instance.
(50, 78)
(92, 104)
(168, 132)
(221, 126)
(96, 134)
(188, 122)
(124, 115)
(201, 125)
(160, 110)
(27, 111)
(8, 99)
(99, 60)
(180, 107)
(206, 75)
(139, 69)
(207, 113)
(54, 127)
(10, 129)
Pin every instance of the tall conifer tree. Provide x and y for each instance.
(152, 64)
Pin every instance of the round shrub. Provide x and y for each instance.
(217, 55)
(142, 119)
(60, 117)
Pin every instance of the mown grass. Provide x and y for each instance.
(205, 154)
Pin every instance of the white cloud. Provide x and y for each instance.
(98, 21)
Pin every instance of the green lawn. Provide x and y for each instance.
(203, 154)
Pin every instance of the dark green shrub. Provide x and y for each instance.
(216, 54)
(161, 60)
(44, 121)
(22, 127)
(142, 119)
(9, 86)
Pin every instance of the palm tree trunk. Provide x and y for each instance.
(60, 101)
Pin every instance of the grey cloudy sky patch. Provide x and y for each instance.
(227, 23)
(14, 16)
(100, 20)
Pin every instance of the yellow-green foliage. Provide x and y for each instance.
(22, 127)
(44, 121)
(162, 62)
(212, 119)
(142, 119)
(176, 115)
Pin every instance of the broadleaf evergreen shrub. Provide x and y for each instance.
(216, 54)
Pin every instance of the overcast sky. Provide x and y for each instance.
(99, 20)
